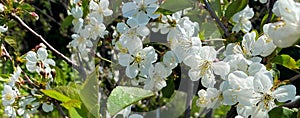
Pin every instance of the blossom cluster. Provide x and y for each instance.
(245, 82)
(233, 77)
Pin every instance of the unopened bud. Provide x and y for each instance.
(33, 14)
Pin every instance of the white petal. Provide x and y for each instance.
(31, 66)
(50, 61)
(143, 31)
(262, 83)
(47, 107)
(208, 53)
(285, 93)
(129, 9)
(221, 68)
(125, 59)
(132, 70)
(31, 56)
(42, 54)
(142, 18)
(135, 116)
(194, 74)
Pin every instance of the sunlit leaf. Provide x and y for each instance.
(56, 95)
(286, 61)
(123, 96)
(72, 104)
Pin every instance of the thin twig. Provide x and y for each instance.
(48, 16)
(60, 110)
(271, 4)
(45, 42)
(217, 19)
(294, 78)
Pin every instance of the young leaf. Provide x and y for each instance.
(234, 7)
(123, 96)
(11, 41)
(56, 95)
(286, 61)
(89, 94)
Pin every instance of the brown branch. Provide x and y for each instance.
(217, 19)
(294, 78)
(60, 110)
(45, 42)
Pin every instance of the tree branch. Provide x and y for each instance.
(271, 4)
(45, 42)
(294, 78)
(213, 15)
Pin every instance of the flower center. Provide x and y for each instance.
(266, 99)
(138, 58)
(204, 67)
(8, 96)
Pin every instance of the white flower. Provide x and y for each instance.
(8, 95)
(250, 47)
(168, 24)
(96, 29)
(285, 33)
(10, 111)
(81, 43)
(47, 107)
(170, 60)
(77, 12)
(157, 76)
(237, 62)
(2, 7)
(211, 98)
(140, 10)
(28, 106)
(131, 35)
(140, 60)
(37, 62)
(269, 46)
(15, 77)
(203, 66)
(241, 19)
(262, 96)
(185, 40)
(99, 10)
(3, 28)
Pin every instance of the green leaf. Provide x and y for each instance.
(298, 63)
(234, 7)
(282, 112)
(176, 5)
(286, 61)
(71, 104)
(11, 41)
(169, 89)
(68, 91)
(216, 6)
(27, 7)
(67, 22)
(56, 95)
(73, 113)
(123, 96)
(89, 94)
(164, 11)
